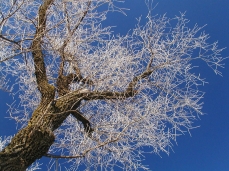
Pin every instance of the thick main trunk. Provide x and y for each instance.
(34, 141)
(28, 145)
(31, 142)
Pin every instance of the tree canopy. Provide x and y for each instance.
(93, 97)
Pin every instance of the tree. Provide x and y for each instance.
(93, 97)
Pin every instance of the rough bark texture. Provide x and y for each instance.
(29, 144)
(33, 141)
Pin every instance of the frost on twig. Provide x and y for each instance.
(4, 141)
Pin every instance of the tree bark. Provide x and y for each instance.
(34, 141)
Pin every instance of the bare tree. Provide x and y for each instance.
(92, 97)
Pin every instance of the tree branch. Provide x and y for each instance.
(40, 70)
(87, 125)
(9, 40)
(79, 116)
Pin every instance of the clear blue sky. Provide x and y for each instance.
(208, 148)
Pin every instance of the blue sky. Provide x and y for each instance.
(208, 148)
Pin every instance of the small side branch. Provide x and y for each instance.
(62, 157)
(87, 125)
(79, 116)
(9, 40)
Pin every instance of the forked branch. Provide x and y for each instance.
(62, 80)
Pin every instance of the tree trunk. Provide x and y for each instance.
(34, 141)
(29, 144)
